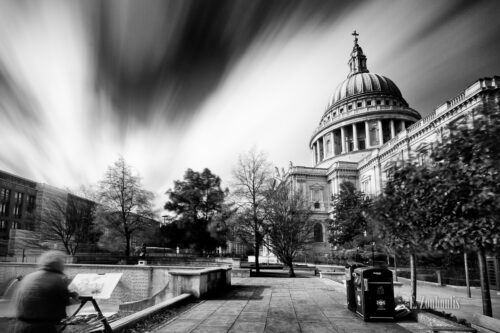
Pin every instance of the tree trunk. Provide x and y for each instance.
(413, 283)
(291, 273)
(257, 267)
(467, 281)
(485, 286)
(395, 267)
(127, 245)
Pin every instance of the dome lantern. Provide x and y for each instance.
(357, 63)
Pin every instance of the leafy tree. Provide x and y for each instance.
(288, 226)
(197, 202)
(348, 222)
(467, 188)
(125, 204)
(251, 180)
(401, 214)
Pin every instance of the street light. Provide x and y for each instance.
(373, 252)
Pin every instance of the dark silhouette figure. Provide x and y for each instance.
(42, 296)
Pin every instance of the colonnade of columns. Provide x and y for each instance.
(325, 146)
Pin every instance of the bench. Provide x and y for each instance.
(485, 324)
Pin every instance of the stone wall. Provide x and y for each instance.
(140, 282)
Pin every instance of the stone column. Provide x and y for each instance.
(380, 135)
(325, 151)
(342, 140)
(393, 129)
(332, 143)
(316, 157)
(403, 125)
(355, 137)
(367, 135)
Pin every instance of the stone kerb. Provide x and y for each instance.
(335, 276)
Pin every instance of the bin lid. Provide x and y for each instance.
(374, 272)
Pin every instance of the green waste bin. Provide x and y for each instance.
(349, 284)
(374, 292)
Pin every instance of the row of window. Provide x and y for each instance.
(4, 225)
(19, 202)
(359, 104)
(367, 103)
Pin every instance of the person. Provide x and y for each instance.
(41, 299)
(142, 255)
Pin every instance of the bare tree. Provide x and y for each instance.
(251, 179)
(288, 226)
(125, 203)
(68, 220)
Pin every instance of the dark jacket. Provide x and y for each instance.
(41, 299)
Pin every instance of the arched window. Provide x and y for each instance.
(318, 232)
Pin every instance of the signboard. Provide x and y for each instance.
(98, 286)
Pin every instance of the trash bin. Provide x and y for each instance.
(349, 284)
(374, 292)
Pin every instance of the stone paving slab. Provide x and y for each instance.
(276, 304)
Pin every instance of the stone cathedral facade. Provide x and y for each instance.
(365, 130)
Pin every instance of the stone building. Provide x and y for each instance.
(365, 130)
(17, 209)
(25, 205)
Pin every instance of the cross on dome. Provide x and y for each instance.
(355, 34)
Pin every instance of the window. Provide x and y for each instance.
(318, 232)
(387, 102)
(365, 185)
(359, 104)
(379, 102)
(316, 205)
(341, 110)
(349, 107)
(18, 204)
(3, 224)
(4, 201)
(31, 204)
(368, 103)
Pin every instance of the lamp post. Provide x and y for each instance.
(373, 251)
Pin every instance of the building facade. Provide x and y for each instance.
(368, 128)
(17, 209)
(27, 207)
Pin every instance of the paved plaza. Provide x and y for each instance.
(276, 304)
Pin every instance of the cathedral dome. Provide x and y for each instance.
(365, 83)
(365, 112)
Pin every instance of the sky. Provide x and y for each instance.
(171, 85)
